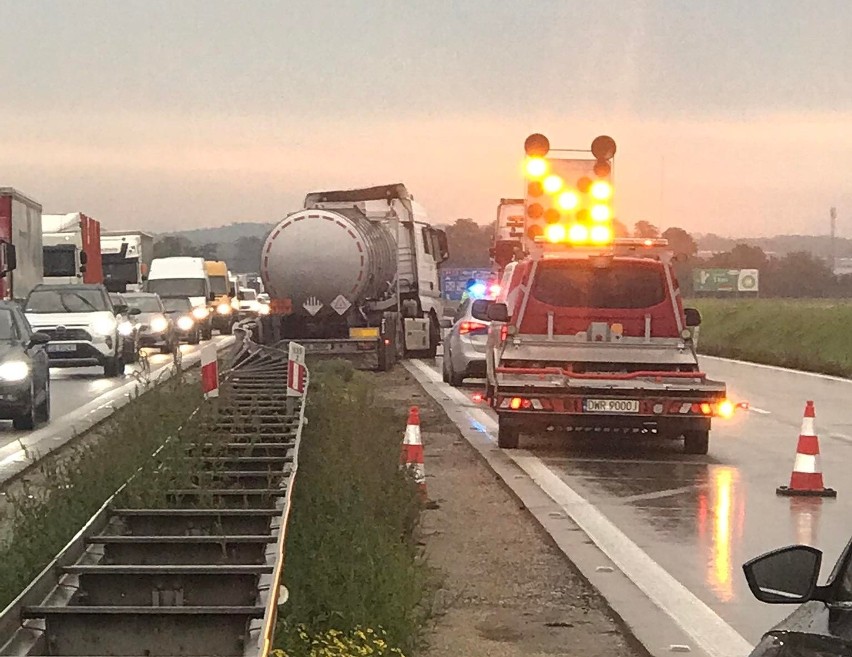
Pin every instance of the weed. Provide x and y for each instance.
(352, 559)
(63, 491)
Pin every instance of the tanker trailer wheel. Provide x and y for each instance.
(434, 336)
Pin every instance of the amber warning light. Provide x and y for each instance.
(568, 200)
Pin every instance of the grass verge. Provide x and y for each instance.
(352, 558)
(56, 497)
(807, 335)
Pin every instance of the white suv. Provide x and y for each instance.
(82, 325)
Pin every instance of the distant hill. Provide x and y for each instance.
(224, 234)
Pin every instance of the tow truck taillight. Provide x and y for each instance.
(525, 404)
(472, 327)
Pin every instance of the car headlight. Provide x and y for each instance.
(200, 312)
(159, 324)
(125, 328)
(14, 370)
(185, 323)
(263, 309)
(103, 326)
(223, 309)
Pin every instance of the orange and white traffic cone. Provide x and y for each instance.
(411, 456)
(807, 476)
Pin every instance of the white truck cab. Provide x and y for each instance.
(184, 277)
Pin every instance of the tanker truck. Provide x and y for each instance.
(354, 273)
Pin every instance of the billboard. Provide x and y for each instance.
(725, 280)
(453, 280)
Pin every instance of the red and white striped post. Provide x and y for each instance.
(209, 371)
(295, 375)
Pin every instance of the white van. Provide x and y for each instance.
(184, 277)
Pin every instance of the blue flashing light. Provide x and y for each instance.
(477, 290)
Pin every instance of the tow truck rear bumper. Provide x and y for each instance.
(666, 406)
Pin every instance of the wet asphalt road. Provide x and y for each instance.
(701, 518)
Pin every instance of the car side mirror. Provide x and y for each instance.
(784, 576)
(119, 309)
(479, 309)
(446, 323)
(134, 311)
(39, 338)
(84, 259)
(693, 317)
(212, 297)
(82, 269)
(498, 312)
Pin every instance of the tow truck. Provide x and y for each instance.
(589, 333)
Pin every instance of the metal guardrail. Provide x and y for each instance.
(201, 576)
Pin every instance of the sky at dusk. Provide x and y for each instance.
(730, 117)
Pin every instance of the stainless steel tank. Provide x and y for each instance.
(328, 260)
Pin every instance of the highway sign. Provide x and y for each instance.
(725, 280)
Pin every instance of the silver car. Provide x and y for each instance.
(464, 347)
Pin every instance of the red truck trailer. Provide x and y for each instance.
(21, 263)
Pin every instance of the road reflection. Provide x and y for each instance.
(721, 516)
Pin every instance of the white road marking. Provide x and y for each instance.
(827, 377)
(658, 495)
(759, 411)
(706, 627)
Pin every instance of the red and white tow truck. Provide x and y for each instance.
(591, 335)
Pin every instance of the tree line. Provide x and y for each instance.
(242, 256)
(797, 274)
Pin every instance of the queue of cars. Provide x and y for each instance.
(84, 325)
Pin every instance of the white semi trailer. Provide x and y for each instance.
(356, 271)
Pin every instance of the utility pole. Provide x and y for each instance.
(833, 214)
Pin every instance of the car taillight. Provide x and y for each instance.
(470, 327)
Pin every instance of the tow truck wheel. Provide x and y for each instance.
(508, 436)
(696, 442)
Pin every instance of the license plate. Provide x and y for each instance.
(611, 405)
(62, 347)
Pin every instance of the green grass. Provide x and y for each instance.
(352, 559)
(810, 335)
(64, 490)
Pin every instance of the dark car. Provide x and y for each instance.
(128, 328)
(822, 625)
(179, 309)
(156, 325)
(24, 370)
